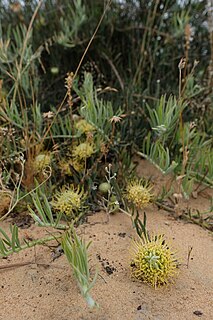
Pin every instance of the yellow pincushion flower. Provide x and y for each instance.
(64, 165)
(84, 127)
(69, 200)
(78, 165)
(153, 262)
(139, 193)
(41, 161)
(83, 150)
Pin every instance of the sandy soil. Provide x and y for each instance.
(46, 290)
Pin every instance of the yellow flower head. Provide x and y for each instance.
(83, 150)
(153, 262)
(41, 161)
(78, 165)
(64, 165)
(139, 193)
(69, 200)
(84, 127)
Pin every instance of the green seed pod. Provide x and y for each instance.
(104, 187)
(114, 204)
(113, 198)
(54, 70)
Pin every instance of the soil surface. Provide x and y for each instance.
(44, 289)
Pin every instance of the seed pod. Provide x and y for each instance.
(104, 187)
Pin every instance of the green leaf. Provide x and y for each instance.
(77, 256)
